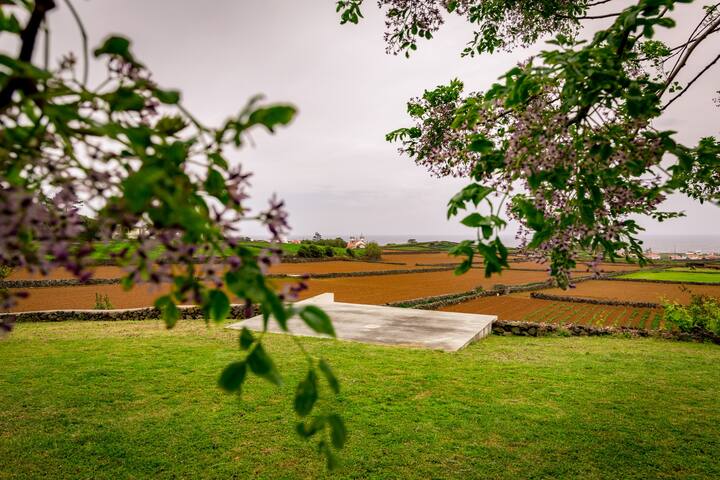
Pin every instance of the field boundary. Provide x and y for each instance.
(593, 301)
(187, 312)
(533, 329)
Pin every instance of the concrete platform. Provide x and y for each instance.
(447, 331)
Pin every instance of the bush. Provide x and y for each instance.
(373, 251)
(329, 252)
(303, 251)
(350, 252)
(702, 313)
(315, 251)
(102, 302)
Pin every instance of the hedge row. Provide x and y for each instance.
(57, 282)
(237, 311)
(593, 301)
(531, 329)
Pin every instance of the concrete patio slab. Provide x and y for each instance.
(377, 324)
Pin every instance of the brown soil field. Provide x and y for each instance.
(336, 267)
(371, 289)
(511, 307)
(413, 258)
(605, 267)
(394, 288)
(83, 297)
(636, 291)
(60, 273)
(283, 268)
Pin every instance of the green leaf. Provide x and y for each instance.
(170, 125)
(169, 310)
(116, 45)
(215, 184)
(169, 97)
(315, 318)
(218, 305)
(306, 394)
(273, 116)
(475, 220)
(329, 376)
(233, 376)
(262, 365)
(338, 433)
(246, 338)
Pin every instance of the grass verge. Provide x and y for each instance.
(130, 399)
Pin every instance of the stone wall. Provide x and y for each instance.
(237, 311)
(531, 329)
(593, 301)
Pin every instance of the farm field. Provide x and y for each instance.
(687, 276)
(519, 308)
(134, 400)
(636, 291)
(394, 288)
(370, 289)
(604, 267)
(283, 268)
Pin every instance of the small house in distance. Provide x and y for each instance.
(356, 242)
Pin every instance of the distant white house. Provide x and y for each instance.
(356, 243)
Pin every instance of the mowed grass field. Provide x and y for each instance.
(133, 400)
(684, 276)
(522, 308)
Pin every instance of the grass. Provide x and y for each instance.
(675, 276)
(694, 270)
(132, 400)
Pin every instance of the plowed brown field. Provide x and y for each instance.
(637, 291)
(371, 289)
(393, 288)
(511, 307)
(283, 268)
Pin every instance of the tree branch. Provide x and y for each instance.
(687, 87)
(28, 37)
(683, 60)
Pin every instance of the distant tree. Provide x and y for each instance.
(373, 251)
(317, 237)
(412, 240)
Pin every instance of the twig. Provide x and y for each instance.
(83, 34)
(687, 87)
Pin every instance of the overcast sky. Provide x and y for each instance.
(332, 165)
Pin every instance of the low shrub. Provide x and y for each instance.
(703, 313)
(329, 252)
(102, 302)
(373, 251)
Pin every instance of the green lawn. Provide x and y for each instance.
(132, 400)
(694, 270)
(676, 276)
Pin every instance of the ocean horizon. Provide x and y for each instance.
(658, 243)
